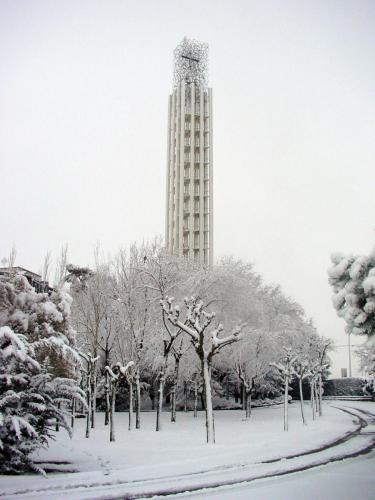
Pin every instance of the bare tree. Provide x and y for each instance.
(12, 256)
(90, 370)
(113, 375)
(286, 371)
(206, 342)
(251, 363)
(180, 348)
(322, 348)
(161, 273)
(93, 315)
(60, 271)
(135, 305)
(301, 371)
(46, 267)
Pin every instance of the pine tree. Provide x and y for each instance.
(37, 367)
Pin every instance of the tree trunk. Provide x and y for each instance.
(286, 403)
(185, 396)
(58, 420)
(301, 399)
(138, 401)
(236, 394)
(243, 396)
(320, 395)
(227, 389)
(208, 402)
(112, 436)
(202, 401)
(130, 406)
(107, 403)
(88, 413)
(173, 400)
(195, 399)
(152, 397)
(316, 398)
(173, 405)
(248, 404)
(312, 399)
(93, 402)
(159, 407)
(174, 389)
(73, 413)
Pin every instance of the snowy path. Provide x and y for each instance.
(186, 476)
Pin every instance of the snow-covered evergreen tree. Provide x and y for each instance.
(353, 282)
(37, 367)
(366, 354)
(30, 402)
(44, 320)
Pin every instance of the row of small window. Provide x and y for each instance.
(186, 254)
(197, 125)
(189, 109)
(197, 141)
(197, 156)
(197, 171)
(186, 239)
(196, 222)
(196, 204)
(197, 112)
(189, 106)
(197, 97)
(188, 127)
(187, 188)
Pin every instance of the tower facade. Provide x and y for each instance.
(189, 209)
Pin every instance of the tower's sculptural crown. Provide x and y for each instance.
(191, 63)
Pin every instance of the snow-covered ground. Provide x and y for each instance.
(348, 480)
(143, 461)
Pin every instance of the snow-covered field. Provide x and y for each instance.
(144, 455)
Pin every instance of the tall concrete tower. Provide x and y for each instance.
(189, 214)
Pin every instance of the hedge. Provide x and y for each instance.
(344, 387)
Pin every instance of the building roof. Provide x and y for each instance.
(21, 270)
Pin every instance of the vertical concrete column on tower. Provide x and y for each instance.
(177, 164)
(211, 218)
(201, 178)
(172, 168)
(180, 167)
(168, 176)
(191, 176)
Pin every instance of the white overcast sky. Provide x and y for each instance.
(83, 117)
